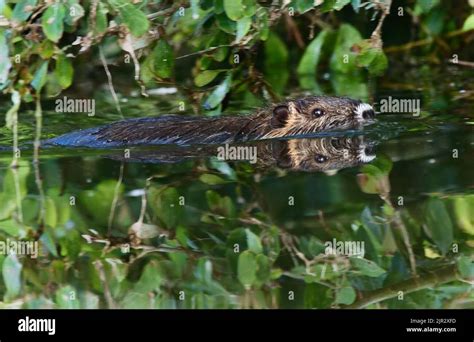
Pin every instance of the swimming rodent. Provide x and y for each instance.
(287, 119)
(327, 154)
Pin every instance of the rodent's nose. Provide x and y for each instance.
(369, 150)
(368, 114)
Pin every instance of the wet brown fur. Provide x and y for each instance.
(295, 118)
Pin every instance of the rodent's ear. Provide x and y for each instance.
(280, 116)
(281, 153)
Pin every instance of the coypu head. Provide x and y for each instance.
(323, 154)
(318, 113)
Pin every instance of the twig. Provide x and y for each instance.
(167, 11)
(376, 36)
(14, 165)
(463, 63)
(102, 276)
(432, 279)
(422, 42)
(115, 200)
(398, 223)
(109, 78)
(212, 48)
(36, 144)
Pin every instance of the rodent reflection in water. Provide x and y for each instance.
(317, 154)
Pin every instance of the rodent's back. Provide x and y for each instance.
(287, 119)
(166, 129)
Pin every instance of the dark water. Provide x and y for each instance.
(413, 208)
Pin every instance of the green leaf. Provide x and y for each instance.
(11, 271)
(66, 298)
(263, 26)
(466, 267)
(424, 6)
(343, 59)
(39, 78)
(74, 12)
(247, 269)
(225, 24)
(5, 64)
(48, 241)
(340, 4)
(356, 5)
(373, 58)
(211, 179)
(206, 77)
(276, 58)
(98, 201)
(234, 9)
(302, 6)
(250, 7)
(165, 202)
(9, 181)
(469, 23)
(64, 71)
(438, 224)
(150, 280)
(9, 226)
(23, 10)
(353, 85)
(253, 242)
(51, 214)
(52, 21)
(317, 296)
(163, 59)
(367, 267)
(216, 97)
(463, 207)
(263, 268)
(101, 19)
(132, 17)
(346, 295)
(243, 27)
(310, 59)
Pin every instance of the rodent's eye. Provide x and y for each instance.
(317, 112)
(319, 158)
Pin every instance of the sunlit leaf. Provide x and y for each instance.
(345, 295)
(211, 179)
(367, 267)
(253, 242)
(23, 9)
(438, 224)
(64, 71)
(163, 59)
(206, 77)
(66, 298)
(216, 97)
(247, 268)
(11, 271)
(343, 59)
(52, 21)
(468, 23)
(132, 17)
(276, 58)
(40, 77)
(234, 9)
(5, 64)
(74, 12)
(466, 267)
(243, 27)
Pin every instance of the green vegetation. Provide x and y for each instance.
(212, 234)
(243, 48)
